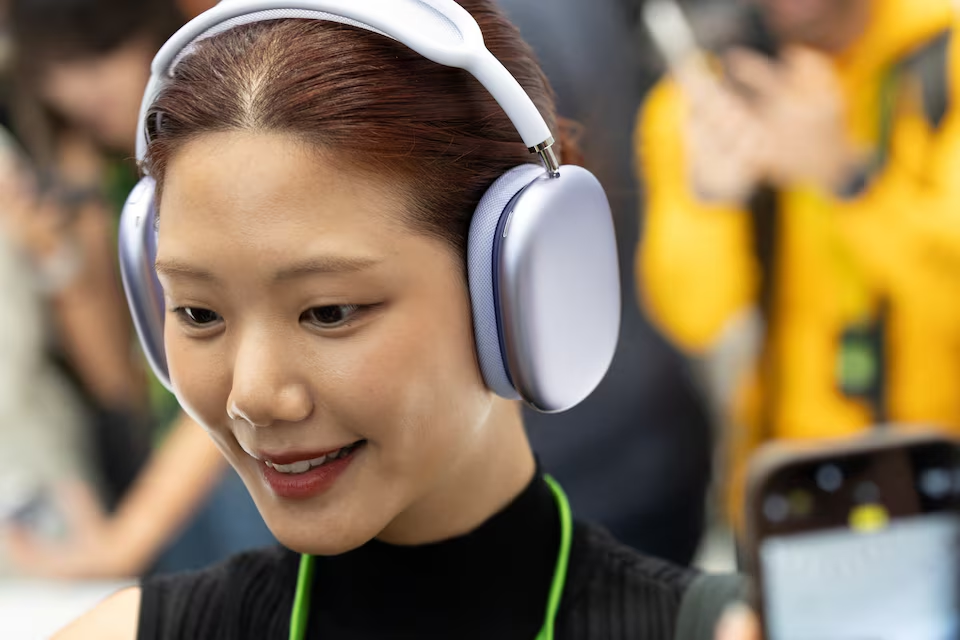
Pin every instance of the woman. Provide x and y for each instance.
(316, 184)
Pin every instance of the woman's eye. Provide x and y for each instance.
(332, 316)
(199, 317)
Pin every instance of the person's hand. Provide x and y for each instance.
(65, 232)
(35, 227)
(739, 623)
(799, 102)
(89, 551)
(724, 140)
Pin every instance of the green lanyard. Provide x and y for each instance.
(301, 601)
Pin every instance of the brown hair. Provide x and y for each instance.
(434, 130)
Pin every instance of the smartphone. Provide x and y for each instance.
(858, 541)
(672, 34)
(29, 506)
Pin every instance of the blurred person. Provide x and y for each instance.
(43, 439)
(61, 239)
(319, 325)
(812, 185)
(81, 69)
(642, 468)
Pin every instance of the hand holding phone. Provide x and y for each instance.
(724, 139)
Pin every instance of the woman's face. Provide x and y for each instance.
(305, 318)
(101, 94)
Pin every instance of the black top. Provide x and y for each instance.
(491, 583)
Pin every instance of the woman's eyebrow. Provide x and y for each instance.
(325, 264)
(313, 266)
(178, 269)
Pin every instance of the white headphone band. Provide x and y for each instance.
(439, 30)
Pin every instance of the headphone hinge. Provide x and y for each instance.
(548, 157)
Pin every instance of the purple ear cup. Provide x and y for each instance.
(545, 286)
(138, 254)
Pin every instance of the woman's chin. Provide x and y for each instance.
(321, 540)
(336, 520)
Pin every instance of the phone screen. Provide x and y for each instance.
(864, 547)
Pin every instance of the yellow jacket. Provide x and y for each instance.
(898, 241)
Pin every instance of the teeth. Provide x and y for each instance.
(305, 465)
(294, 467)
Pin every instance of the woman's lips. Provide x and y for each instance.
(309, 483)
(296, 456)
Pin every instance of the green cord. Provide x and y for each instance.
(563, 558)
(301, 601)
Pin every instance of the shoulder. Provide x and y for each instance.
(113, 619)
(244, 596)
(616, 593)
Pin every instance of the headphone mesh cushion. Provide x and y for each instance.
(480, 261)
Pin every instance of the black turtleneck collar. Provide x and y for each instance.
(490, 583)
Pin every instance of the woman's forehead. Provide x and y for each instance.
(234, 197)
(259, 181)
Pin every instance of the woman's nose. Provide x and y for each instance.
(266, 388)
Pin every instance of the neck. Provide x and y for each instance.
(478, 485)
(848, 26)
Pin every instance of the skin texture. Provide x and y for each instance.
(258, 232)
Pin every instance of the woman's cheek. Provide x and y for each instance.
(200, 381)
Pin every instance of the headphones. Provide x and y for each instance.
(542, 257)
